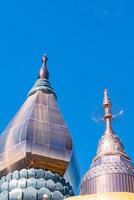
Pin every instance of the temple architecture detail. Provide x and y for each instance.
(37, 156)
(38, 160)
(111, 174)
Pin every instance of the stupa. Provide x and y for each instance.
(37, 156)
(111, 174)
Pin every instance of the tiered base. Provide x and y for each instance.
(32, 184)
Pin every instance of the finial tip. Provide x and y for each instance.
(44, 74)
(44, 58)
(107, 111)
(106, 91)
(106, 100)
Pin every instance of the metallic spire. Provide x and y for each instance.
(110, 143)
(43, 83)
(44, 74)
(111, 169)
(107, 109)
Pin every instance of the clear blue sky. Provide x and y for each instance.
(90, 46)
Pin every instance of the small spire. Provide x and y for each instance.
(43, 83)
(44, 74)
(107, 110)
(44, 59)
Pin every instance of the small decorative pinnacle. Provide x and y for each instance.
(44, 74)
(44, 59)
(107, 109)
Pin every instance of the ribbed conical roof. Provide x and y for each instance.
(111, 169)
(37, 136)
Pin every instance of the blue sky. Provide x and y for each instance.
(90, 46)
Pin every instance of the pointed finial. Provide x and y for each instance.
(44, 58)
(44, 74)
(107, 110)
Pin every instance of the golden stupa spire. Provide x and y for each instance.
(107, 110)
(111, 169)
(110, 142)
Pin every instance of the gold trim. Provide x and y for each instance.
(105, 196)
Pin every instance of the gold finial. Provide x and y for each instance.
(107, 109)
(44, 74)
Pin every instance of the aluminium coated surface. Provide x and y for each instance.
(37, 137)
(111, 173)
(111, 170)
(110, 144)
